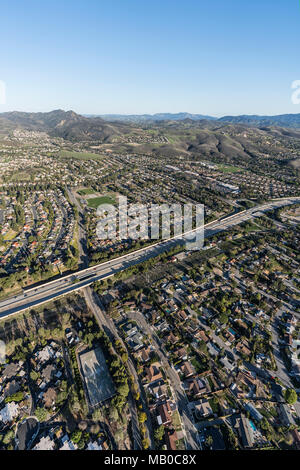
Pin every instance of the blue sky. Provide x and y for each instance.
(212, 57)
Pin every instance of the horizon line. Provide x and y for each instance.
(149, 114)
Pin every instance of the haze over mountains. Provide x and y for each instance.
(284, 120)
(153, 117)
(63, 123)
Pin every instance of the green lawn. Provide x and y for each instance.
(10, 235)
(250, 226)
(97, 201)
(228, 168)
(176, 421)
(20, 176)
(213, 405)
(85, 191)
(79, 155)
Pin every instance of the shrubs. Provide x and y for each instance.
(76, 436)
(17, 397)
(41, 414)
(159, 433)
(290, 396)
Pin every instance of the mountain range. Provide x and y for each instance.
(75, 127)
(66, 124)
(229, 139)
(283, 120)
(152, 117)
(64, 121)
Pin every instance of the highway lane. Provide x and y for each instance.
(65, 285)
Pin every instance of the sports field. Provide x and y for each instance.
(85, 191)
(97, 378)
(97, 201)
(79, 155)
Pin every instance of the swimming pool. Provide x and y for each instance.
(252, 425)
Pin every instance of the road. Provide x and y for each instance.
(82, 278)
(108, 326)
(181, 398)
(282, 373)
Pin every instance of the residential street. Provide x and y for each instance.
(110, 329)
(180, 396)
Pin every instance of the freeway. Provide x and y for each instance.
(50, 290)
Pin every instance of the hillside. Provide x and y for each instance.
(284, 120)
(65, 124)
(213, 140)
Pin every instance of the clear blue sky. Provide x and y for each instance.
(145, 56)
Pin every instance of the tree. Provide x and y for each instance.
(159, 433)
(290, 396)
(119, 402)
(113, 413)
(123, 390)
(124, 357)
(81, 444)
(8, 437)
(96, 414)
(41, 414)
(146, 443)
(223, 318)
(142, 417)
(76, 436)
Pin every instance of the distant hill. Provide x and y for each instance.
(69, 125)
(228, 139)
(66, 124)
(41, 121)
(283, 120)
(152, 117)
